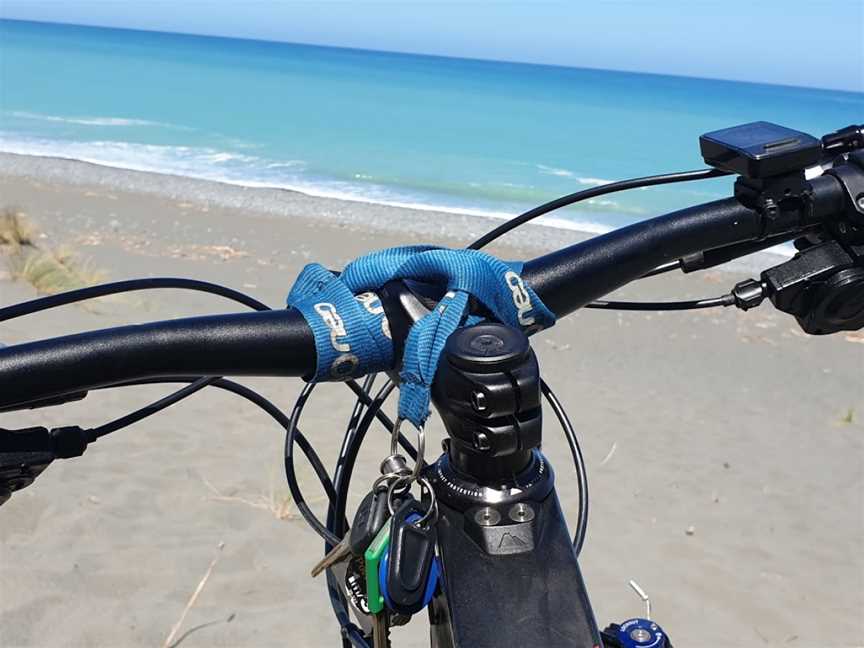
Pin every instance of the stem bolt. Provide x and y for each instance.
(487, 516)
(481, 441)
(478, 401)
(521, 513)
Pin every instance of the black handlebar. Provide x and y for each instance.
(279, 343)
(269, 343)
(570, 278)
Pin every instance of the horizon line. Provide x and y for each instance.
(427, 55)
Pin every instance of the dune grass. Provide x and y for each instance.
(48, 269)
(16, 230)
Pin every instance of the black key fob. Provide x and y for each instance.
(410, 559)
(370, 517)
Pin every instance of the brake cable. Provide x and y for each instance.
(152, 408)
(274, 411)
(712, 302)
(116, 287)
(593, 192)
(614, 187)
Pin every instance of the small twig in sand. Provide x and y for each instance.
(610, 453)
(260, 503)
(169, 640)
(201, 626)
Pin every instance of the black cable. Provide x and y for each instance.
(593, 192)
(343, 617)
(339, 529)
(351, 448)
(713, 302)
(355, 433)
(92, 292)
(102, 290)
(150, 409)
(350, 635)
(165, 402)
(291, 432)
(613, 187)
(351, 445)
(352, 442)
(666, 267)
(284, 421)
(116, 287)
(578, 462)
(354, 636)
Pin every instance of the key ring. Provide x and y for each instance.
(421, 447)
(431, 513)
(384, 482)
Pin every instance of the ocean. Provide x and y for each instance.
(454, 134)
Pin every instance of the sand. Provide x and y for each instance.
(725, 475)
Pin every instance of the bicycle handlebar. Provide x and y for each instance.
(280, 343)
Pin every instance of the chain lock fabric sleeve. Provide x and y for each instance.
(351, 334)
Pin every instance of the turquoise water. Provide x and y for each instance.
(452, 133)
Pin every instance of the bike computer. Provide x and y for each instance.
(760, 149)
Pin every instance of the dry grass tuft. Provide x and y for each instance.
(52, 270)
(16, 229)
(280, 505)
(49, 270)
(276, 501)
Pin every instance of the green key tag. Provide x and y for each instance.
(373, 557)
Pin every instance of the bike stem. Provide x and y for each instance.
(502, 537)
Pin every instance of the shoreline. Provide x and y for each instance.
(323, 191)
(428, 221)
(271, 200)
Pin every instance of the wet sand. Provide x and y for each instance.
(725, 477)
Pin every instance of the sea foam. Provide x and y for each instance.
(92, 121)
(251, 171)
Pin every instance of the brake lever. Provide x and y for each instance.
(26, 453)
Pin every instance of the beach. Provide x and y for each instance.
(725, 450)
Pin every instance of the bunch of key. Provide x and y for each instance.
(393, 571)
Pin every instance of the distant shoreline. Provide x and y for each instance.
(287, 203)
(271, 199)
(209, 173)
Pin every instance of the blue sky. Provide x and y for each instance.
(797, 42)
